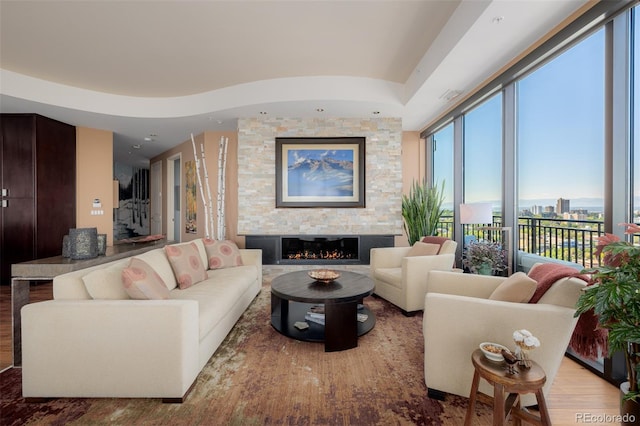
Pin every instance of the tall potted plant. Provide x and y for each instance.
(614, 297)
(421, 210)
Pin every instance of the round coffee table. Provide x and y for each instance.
(295, 293)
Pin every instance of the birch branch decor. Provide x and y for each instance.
(209, 205)
(206, 216)
(222, 165)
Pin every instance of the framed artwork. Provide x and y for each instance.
(191, 212)
(320, 172)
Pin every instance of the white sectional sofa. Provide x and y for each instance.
(110, 345)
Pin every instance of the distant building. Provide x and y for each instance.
(536, 210)
(575, 215)
(548, 212)
(563, 206)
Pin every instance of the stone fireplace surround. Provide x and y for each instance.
(257, 212)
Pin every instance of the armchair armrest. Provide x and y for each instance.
(110, 348)
(387, 257)
(471, 285)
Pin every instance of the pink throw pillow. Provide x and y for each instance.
(142, 282)
(186, 264)
(222, 254)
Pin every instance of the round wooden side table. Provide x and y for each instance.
(524, 381)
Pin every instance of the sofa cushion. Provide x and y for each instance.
(423, 249)
(517, 288)
(141, 281)
(106, 283)
(217, 295)
(157, 259)
(391, 276)
(222, 254)
(186, 264)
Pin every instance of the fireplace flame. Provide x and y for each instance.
(326, 254)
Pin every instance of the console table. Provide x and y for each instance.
(23, 274)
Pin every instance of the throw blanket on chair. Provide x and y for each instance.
(588, 340)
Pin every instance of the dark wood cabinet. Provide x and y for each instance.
(37, 173)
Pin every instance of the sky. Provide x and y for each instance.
(560, 133)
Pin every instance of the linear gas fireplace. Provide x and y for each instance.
(320, 248)
(317, 249)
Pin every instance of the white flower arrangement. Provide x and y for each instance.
(525, 340)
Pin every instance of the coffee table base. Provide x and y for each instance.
(341, 329)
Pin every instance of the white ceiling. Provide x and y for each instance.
(171, 68)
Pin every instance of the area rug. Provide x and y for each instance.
(259, 377)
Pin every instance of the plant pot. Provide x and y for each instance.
(629, 409)
(485, 269)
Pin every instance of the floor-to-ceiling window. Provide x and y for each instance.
(442, 173)
(570, 157)
(483, 154)
(635, 146)
(560, 138)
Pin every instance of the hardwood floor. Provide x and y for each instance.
(576, 394)
(37, 293)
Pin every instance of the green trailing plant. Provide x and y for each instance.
(421, 210)
(614, 297)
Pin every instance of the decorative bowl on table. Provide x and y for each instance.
(492, 351)
(324, 275)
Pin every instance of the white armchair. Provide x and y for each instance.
(402, 280)
(458, 316)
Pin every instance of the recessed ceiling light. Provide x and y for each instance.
(497, 19)
(148, 139)
(263, 112)
(319, 109)
(375, 112)
(136, 146)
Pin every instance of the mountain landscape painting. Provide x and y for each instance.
(320, 173)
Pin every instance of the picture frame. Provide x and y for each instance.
(320, 172)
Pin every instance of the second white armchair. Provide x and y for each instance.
(401, 278)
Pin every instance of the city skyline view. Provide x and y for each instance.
(559, 132)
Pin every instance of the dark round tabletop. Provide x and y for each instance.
(300, 287)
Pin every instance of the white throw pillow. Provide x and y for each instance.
(106, 283)
(518, 288)
(423, 249)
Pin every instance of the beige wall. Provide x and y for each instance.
(211, 141)
(413, 168)
(94, 179)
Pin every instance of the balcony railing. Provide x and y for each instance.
(570, 240)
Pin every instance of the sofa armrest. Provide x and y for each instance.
(387, 257)
(253, 257)
(454, 326)
(110, 348)
(471, 285)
